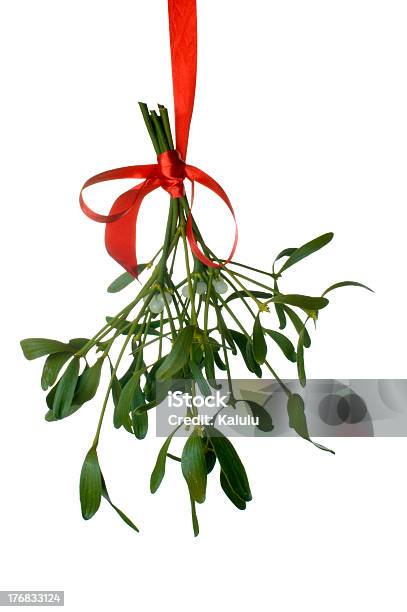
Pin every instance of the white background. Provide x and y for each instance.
(301, 114)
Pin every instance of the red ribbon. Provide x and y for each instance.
(171, 169)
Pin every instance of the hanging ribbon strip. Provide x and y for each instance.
(171, 169)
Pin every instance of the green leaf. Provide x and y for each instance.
(285, 253)
(119, 512)
(281, 315)
(322, 447)
(159, 469)
(312, 314)
(88, 383)
(300, 360)
(225, 332)
(307, 249)
(346, 284)
(302, 301)
(259, 342)
(219, 363)
(145, 408)
(121, 324)
(65, 389)
(259, 412)
(179, 355)
(155, 392)
(229, 492)
(296, 415)
(243, 294)
(124, 405)
(140, 424)
(51, 396)
(38, 347)
(52, 367)
(195, 523)
(124, 280)
(209, 362)
(250, 360)
(298, 421)
(129, 372)
(68, 411)
(137, 400)
(284, 344)
(77, 344)
(90, 485)
(197, 353)
(210, 460)
(193, 466)
(121, 282)
(242, 344)
(230, 463)
(299, 325)
(200, 379)
(116, 390)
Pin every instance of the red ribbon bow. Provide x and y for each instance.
(171, 169)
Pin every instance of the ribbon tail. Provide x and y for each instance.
(120, 235)
(183, 40)
(195, 174)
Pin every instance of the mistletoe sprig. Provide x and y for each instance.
(183, 325)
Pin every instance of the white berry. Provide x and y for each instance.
(201, 288)
(168, 296)
(157, 304)
(220, 285)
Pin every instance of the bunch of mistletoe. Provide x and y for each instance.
(183, 328)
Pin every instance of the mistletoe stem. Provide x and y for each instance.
(169, 313)
(114, 371)
(168, 236)
(160, 346)
(259, 304)
(244, 300)
(144, 332)
(175, 302)
(235, 263)
(117, 318)
(190, 286)
(228, 372)
(207, 301)
(248, 278)
(150, 342)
